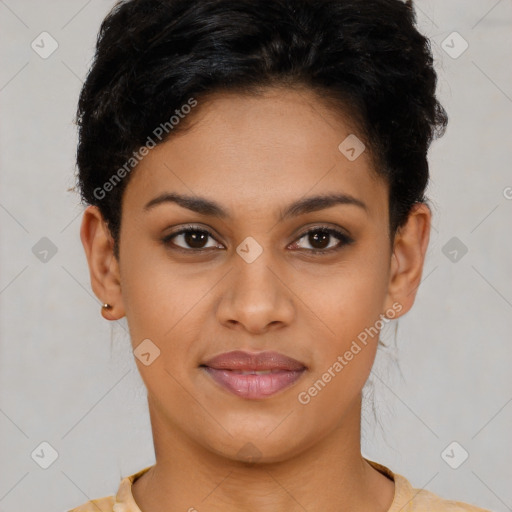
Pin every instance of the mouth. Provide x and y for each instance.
(254, 384)
(253, 375)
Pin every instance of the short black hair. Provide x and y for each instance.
(155, 59)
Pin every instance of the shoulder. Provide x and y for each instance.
(99, 505)
(410, 499)
(121, 501)
(421, 500)
(425, 501)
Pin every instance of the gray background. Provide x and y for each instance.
(67, 376)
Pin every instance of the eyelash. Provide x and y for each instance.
(344, 239)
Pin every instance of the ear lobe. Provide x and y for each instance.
(103, 265)
(409, 249)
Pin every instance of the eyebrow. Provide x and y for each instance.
(210, 208)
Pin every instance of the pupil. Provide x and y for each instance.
(195, 239)
(317, 236)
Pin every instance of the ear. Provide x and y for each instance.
(409, 249)
(103, 265)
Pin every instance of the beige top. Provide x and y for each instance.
(406, 498)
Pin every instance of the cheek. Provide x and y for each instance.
(156, 294)
(166, 303)
(336, 305)
(348, 304)
(161, 306)
(350, 297)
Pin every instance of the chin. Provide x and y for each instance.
(258, 448)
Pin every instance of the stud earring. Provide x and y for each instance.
(106, 306)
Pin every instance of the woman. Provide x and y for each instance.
(255, 173)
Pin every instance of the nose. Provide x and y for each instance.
(257, 296)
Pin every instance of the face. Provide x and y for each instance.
(265, 268)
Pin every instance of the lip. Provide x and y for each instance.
(241, 360)
(226, 370)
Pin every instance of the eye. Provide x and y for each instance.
(193, 238)
(320, 237)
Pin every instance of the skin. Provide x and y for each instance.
(254, 155)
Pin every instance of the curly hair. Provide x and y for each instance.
(154, 57)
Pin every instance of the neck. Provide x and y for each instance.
(329, 475)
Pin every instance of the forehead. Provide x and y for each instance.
(252, 152)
